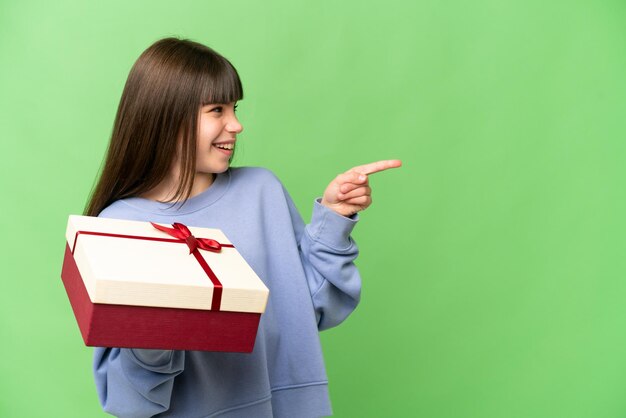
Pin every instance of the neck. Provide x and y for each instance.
(166, 190)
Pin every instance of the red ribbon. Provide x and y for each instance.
(181, 231)
(182, 235)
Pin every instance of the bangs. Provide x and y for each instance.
(221, 83)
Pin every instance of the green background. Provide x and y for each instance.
(493, 262)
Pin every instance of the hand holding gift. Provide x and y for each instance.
(349, 192)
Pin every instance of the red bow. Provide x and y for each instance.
(181, 232)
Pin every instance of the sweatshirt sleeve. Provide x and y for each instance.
(328, 253)
(133, 383)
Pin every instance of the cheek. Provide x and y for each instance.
(205, 139)
(209, 130)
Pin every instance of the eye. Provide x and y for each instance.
(217, 109)
(235, 107)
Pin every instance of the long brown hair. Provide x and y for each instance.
(166, 87)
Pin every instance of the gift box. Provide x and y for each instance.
(146, 285)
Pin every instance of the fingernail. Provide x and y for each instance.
(362, 177)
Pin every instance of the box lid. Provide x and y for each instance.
(128, 267)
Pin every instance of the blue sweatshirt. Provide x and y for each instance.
(313, 285)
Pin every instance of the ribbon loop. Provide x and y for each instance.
(182, 228)
(209, 244)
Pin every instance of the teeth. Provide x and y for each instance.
(225, 146)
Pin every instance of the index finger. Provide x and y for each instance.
(377, 166)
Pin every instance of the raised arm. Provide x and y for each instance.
(327, 250)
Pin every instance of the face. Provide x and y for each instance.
(218, 127)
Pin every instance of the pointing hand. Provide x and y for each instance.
(349, 192)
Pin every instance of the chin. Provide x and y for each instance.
(223, 169)
(215, 169)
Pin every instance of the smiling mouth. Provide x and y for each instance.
(228, 147)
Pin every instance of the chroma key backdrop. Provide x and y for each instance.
(494, 276)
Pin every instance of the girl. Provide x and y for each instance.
(169, 161)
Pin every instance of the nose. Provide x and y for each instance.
(233, 125)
